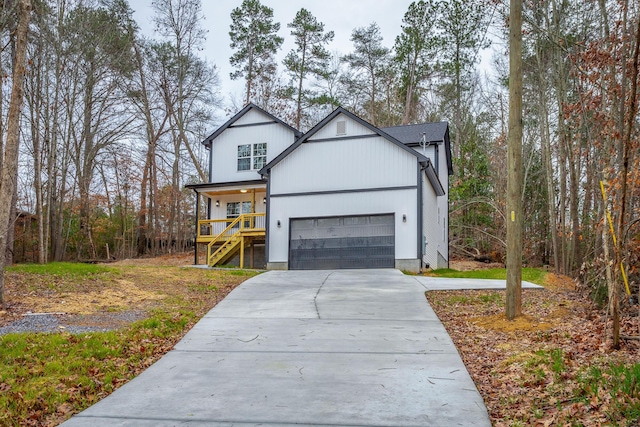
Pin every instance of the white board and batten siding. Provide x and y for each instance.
(435, 226)
(430, 222)
(344, 164)
(429, 152)
(225, 146)
(316, 179)
(443, 204)
(436, 212)
(251, 117)
(334, 129)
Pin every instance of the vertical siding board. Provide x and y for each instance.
(443, 202)
(344, 164)
(430, 224)
(430, 153)
(252, 116)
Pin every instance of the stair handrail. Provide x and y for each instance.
(223, 248)
(223, 233)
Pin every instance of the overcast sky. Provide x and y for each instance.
(339, 16)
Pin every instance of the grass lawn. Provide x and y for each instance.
(47, 377)
(533, 275)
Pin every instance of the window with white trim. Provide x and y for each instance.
(259, 155)
(252, 156)
(234, 209)
(244, 157)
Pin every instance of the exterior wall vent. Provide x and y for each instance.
(341, 127)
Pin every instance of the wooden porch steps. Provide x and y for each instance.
(240, 233)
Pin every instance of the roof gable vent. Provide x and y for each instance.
(341, 127)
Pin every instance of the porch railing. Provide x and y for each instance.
(215, 228)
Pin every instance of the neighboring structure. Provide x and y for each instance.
(344, 195)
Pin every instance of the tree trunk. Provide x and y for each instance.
(249, 82)
(142, 212)
(624, 177)
(10, 164)
(37, 170)
(11, 227)
(408, 101)
(574, 173)
(562, 166)
(300, 80)
(551, 196)
(545, 136)
(514, 182)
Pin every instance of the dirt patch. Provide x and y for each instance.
(469, 265)
(121, 295)
(129, 286)
(559, 283)
(171, 260)
(543, 318)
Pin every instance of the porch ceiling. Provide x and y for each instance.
(221, 189)
(215, 192)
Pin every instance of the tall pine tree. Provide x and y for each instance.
(254, 37)
(415, 52)
(310, 57)
(368, 61)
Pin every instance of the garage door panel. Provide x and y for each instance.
(342, 242)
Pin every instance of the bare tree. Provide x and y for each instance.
(11, 148)
(187, 88)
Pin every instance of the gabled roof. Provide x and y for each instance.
(433, 133)
(316, 128)
(239, 114)
(424, 161)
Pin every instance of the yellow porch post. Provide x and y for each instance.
(253, 223)
(241, 251)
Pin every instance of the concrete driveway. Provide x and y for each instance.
(328, 348)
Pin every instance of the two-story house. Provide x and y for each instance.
(343, 195)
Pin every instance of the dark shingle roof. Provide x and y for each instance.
(412, 134)
(434, 133)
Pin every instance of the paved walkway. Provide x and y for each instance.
(322, 348)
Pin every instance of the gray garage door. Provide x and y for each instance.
(342, 242)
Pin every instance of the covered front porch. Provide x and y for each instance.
(230, 223)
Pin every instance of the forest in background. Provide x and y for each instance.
(112, 120)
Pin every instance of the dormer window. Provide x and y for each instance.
(252, 156)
